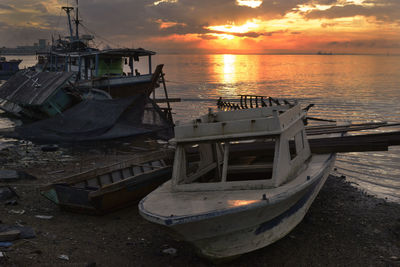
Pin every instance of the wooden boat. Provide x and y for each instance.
(111, 187)
(102, 69)
(227, 204)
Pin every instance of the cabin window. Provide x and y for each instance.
(110, 66)
(228, 161)
(292, 148)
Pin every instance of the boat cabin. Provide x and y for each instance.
(208, 155)
(103, 63)
(39, 95)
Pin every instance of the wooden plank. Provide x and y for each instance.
(131, 181)
(325, 129)
(322, 145)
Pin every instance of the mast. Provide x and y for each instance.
(77, 21)
(68, 10)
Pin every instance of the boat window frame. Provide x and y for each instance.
(226, 174)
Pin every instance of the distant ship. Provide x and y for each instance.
(8, 68)
(324, 53)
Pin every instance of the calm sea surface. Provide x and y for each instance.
(343, 88)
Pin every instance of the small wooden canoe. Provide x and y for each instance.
(108, 188)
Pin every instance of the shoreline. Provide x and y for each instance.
(344, 225)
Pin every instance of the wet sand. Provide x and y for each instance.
(344, 226)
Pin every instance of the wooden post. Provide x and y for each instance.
(79, 67)
(216, 159)
(225, 165)
(51, 61)
(96, 65)
(131, 64)
(149, 64)
(66, 64)
(166, 97)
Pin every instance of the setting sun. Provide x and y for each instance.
(232, 28)
(249, 3)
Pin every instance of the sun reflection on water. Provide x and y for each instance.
(229, 73)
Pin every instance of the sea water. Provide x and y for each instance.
(345, 88)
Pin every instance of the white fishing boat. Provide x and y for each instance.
(227, 203)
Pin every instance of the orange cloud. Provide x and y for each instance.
(168, 24)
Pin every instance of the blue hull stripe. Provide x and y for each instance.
(293, 209)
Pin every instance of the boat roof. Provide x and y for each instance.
(120, 52)
(33, 88)
(239, 124)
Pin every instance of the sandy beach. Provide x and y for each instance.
(344, 227)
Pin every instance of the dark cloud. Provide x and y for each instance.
(388, 11)
(327, 25)
(208, 37)
(40, 7)
(325, 2)
(135, 21)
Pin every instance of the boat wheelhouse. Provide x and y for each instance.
(104, 70)
(226, 201)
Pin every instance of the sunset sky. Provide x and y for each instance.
(214, 26)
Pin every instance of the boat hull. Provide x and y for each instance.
(225, 234)
(120, 87)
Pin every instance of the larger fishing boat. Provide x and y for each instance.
(102, 69)
(227, 203)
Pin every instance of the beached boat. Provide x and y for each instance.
(111, 187)
(8, 67)
(227, 204)
(101, 69)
